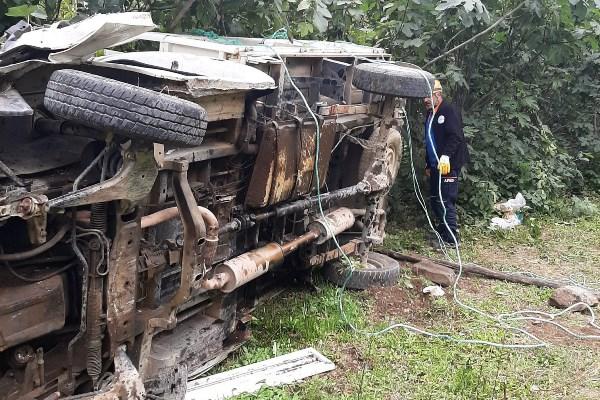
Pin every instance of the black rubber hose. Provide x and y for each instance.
(23, 255)
(38, 278)
(84, 291)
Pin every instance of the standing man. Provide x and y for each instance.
(447, 140)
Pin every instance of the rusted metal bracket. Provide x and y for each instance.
(25, 206)
(127, 384)
(378, 180)
(133, 182)
(348, 83)
(321, 258)
(31, 208)
(346, 109)
(122, 284)
(194, 231)
(153, 326)
(159, 154)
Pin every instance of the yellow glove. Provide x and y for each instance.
(444, 165)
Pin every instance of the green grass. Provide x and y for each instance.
(401, 365)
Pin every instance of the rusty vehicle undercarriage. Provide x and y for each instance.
(150, 199)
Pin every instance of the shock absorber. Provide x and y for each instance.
(95, 295)
(98, 217)
(98, 223)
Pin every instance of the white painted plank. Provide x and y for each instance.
(282, 370)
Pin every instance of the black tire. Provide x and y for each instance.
(127, 110)
(380, 271)
(393, 80)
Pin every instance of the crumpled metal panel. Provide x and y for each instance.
(285, 163)
(262, 175)
(199, 72)
(77, 41)
(261, 50)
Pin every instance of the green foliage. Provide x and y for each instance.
(535, 230)
(295, 321)
(26, 11)
(527, 90)
(36, 12)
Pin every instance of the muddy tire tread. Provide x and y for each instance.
(361, 279)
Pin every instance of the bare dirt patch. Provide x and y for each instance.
(473, 286)
(411, 305)
(405, 303)
(556, 336)
(348, 359)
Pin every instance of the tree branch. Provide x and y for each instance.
(404, 16)
(488, 29)
(182, 11)
(453, 37)
(472, 268)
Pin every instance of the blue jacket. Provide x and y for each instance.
(447, 138)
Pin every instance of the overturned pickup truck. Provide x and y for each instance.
(150, 199)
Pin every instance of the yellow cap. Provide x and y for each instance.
(437, 86)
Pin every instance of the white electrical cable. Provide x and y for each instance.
(501, 319)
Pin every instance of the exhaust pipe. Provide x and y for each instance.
(240, 270)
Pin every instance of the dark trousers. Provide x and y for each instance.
(449, 193)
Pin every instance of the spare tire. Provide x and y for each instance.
(380, 270)
(127, 110)
(393, 80)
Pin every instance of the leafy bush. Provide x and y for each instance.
(527, 91)
(583, 207)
